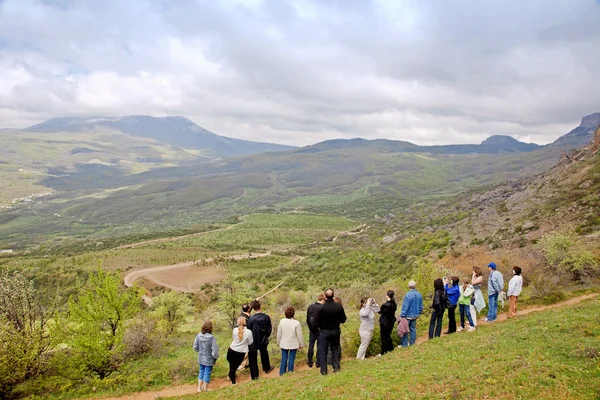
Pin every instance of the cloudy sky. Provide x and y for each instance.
(302, 71)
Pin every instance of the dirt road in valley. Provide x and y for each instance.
(220, 382)
(189, 276)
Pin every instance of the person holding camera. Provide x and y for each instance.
(368, 308)
(386, 322)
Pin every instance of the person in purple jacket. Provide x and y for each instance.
(453, 293)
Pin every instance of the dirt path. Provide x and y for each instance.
(218, 383)
(161, 274)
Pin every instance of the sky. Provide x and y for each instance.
(299, 72)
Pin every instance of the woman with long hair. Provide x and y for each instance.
(514, 290)
(387, 319)
(477, 300)
(242, 338)
(439, 305)
(368, 308)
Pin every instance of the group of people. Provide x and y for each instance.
(324, 317)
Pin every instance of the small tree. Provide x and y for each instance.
(23, 330)
(171, 308)
(94, 327)
(233, 295)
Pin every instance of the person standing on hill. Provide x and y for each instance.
(439, 305)
(477, 301)
(386, 322)
(515, 285)
(208, 352)
(289, 339)
(313, 328)
(464, 304)
(246, 312)
(260, 325)
(242, 339)
(412, 308)
(329, 317)
(452, 293)
(368, 308)
(495, 287)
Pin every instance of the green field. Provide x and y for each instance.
(267, 232)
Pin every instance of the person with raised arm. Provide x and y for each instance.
(477, 301)
(368, 308)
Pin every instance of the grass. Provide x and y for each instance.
(267, 232)
(550, 354)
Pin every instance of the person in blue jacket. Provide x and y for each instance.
(453, 293)
(412, 308)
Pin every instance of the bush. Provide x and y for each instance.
(171, 309)
(140, 337)
(564, 253)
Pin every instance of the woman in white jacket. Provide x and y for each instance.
(514, 290)
(290, 339)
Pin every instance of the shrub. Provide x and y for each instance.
(140, 337)
(171, 309)
(564, 253)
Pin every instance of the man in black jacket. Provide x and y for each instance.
(260, 325)
(329, 317)
(311, 322)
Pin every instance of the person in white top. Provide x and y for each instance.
(368, 308)
(242, 338)
(514, 290)
(290, 339)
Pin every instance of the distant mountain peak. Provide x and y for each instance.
(590, 121)
(173, 130)
(500, 140)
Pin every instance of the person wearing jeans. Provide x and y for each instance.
(206, 346)
(464, 304)
(290, 339)
(440, 302)
(412, 308)
(495, 287)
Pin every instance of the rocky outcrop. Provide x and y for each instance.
(596, 142)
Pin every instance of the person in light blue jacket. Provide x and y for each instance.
(208, 353)
(495, 288)
(412, 308)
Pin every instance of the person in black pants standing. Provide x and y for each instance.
(329, 318)
(439, 305)
(260, 325)
(311, 322)
(386, 322)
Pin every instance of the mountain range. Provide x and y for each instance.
(109, 176)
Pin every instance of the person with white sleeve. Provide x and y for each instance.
(515, 285)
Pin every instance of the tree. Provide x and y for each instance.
(232, 296)
(95, 325)
(171, 308)
(23, 329)
(564, 253)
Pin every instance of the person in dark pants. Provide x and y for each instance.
(260, 325)
(386, 322)
(440, 302)
(242, 339)
(452, 293)
(329, 318)
(313, 329)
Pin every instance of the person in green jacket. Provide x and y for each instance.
(464, 304)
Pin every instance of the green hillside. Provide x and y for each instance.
(546, 355)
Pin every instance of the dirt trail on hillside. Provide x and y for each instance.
(220, 382)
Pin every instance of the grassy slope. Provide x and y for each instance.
(548, 354)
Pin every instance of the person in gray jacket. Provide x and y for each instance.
(208, 351)
(495, 288)
(368, 308)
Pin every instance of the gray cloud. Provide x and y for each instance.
(303, 71)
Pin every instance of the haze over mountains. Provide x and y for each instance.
(109, 173)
